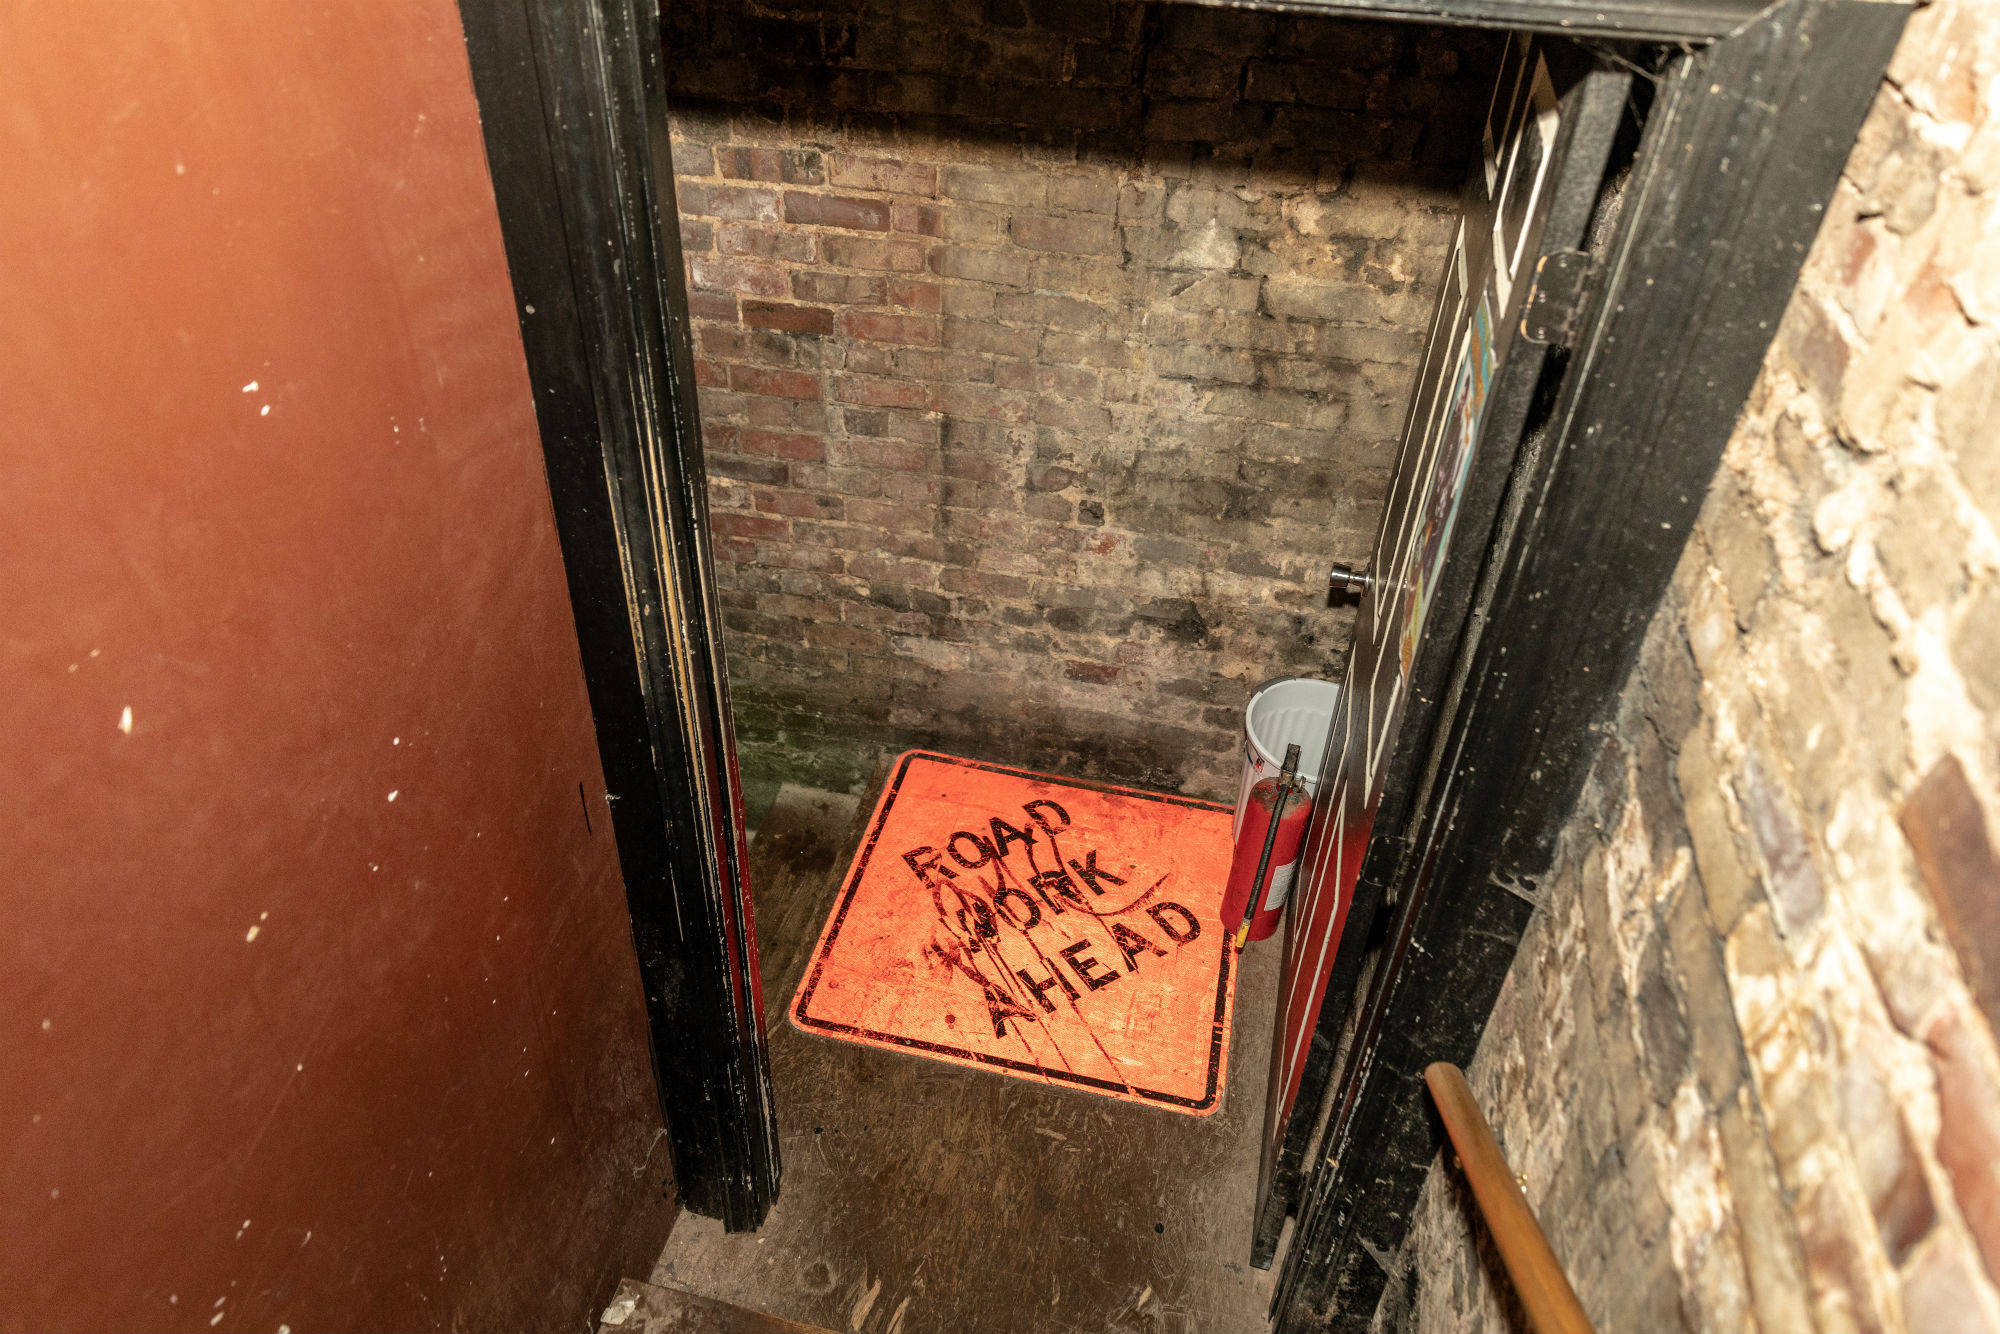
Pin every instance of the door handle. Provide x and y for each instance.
(1348, 581)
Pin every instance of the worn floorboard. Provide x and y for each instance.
(645, 1308)
(920, 1196)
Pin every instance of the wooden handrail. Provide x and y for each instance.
(1538, 1277)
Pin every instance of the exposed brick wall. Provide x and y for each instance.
(1745, 1061)
(1049, 353)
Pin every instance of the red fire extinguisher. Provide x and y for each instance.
(1267, 852)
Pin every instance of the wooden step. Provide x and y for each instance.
(645, 1308)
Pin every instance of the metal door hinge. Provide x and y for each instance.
(1556, 297)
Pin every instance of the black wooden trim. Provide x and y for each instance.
(1631, 20)
(573, 100)
(1745, 143)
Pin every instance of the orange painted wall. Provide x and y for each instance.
(317, 1000)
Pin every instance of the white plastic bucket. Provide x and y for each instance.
(1289, 710)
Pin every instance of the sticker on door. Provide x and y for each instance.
(1035, 927)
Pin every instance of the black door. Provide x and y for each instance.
(1548, 133)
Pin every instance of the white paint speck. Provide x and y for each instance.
(94, 652)
(392, 795)
(299, 1067)
(45, 1025)
(216, 1319)
(264, 411)
(263, 916)
(250, 388)
(55, 1194)
(72, 666)
(180, 169)
(529, 309)
(173, 1299)
(125, 721)
(251, 934)
(373, 867)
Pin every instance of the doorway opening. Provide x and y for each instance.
(1669, 309)
(1048, 356)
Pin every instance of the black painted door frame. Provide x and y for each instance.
(1757, 105)
(572, 99)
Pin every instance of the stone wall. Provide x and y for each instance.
(1050, 350)
(1745, 1061)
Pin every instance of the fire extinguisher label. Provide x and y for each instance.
(1281, 887)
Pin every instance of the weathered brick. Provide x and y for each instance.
(1078, 236)
(854, 212)
(780, 384)
(741, 276)
(741, 203)
(783, 315)
(915, 329)
(767, 243)
(839, 288)
(855, 252)
(889, 175)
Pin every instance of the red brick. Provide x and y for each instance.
(735, 551)
(783, 444)
(724, 343)
(886, 174)
(770, 411)
(768, 243)
(797, 504)
(860, 252)
(710, 373)
(928, 297)
(855, 214)
(736, 275)
(917, 219)
(875, 393)
(911, 329)
(1099, 673)
(779, 384)
(868, 359)
(919, 363)
(793, 319)
(748, 525)
(840, 288)
(712, 306)
(735, 202)
(792, 166)
(898, 456)
(1968, 1142)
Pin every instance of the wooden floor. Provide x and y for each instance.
(920, 1196)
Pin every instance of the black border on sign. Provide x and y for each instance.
(808, 1023)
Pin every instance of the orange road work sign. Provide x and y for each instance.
(1041, 928)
